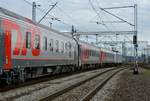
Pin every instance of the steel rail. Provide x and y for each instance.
(58, 93)
(99, 87)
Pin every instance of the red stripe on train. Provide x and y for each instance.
(7, 42)
(8, 26)
(43, 59)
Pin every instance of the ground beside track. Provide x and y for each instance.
(131, 87)
(122, 87)
(42, 89)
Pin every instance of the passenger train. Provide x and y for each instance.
(29, 50)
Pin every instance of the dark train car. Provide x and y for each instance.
(119, 58)
(89, 54)
(107, 56)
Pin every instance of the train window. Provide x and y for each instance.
(51, 44)
(45, 43)
(62, 47)
(57, 46)
(14, 37)
(66, 46)
(28, 40)
(97, 54)
(69, 45)
(37, 42)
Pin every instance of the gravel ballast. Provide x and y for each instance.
(40, 90)
(79, 92)
(132, 87)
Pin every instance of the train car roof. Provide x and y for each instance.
(19, 17)
(88, 44)
(103, 49)
(107, 50)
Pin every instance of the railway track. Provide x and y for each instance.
(4, 87)
(84, 90)
(91, 94)
(34, 91)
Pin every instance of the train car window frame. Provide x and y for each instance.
(69, 47)
(45, 43)
(37, 42)
(28, 40)
(57, 45)
(51, 45)
(62, 47)
(66, 47)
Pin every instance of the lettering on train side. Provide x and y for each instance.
(20, 42)
(35, 40)
(7, 38)
(9, 26)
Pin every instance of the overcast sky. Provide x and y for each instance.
(81, 14)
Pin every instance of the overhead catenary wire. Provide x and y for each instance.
(69, 17)
(102, 22)
(119, 7)
(117, 17)
(48, 12)
(98, 15)
(43, 11)
(106, 16)
(62, 11)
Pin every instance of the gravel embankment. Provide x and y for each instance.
(37, 91)
(79, 92)
(107, 90)
(132, 87)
